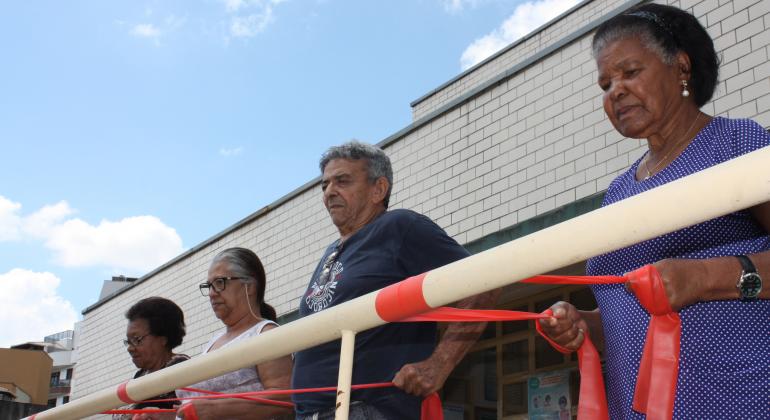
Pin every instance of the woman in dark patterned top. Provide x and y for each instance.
(155, 327)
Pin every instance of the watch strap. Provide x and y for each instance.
(749, 283)
(748, 266)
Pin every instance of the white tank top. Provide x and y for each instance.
(241, 380)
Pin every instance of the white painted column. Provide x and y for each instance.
(347, 351)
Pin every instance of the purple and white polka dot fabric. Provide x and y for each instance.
(724, 369)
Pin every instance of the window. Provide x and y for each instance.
(68, 374)
(65, 399)
(55, 379)
(491, 381)
(52, 403)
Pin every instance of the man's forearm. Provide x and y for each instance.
(459, 337)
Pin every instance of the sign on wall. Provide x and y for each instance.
(549, 396)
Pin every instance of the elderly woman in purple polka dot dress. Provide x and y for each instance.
(657, 67)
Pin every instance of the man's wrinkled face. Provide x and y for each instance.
(348, 195)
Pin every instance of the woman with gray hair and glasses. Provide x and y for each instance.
(236, 290)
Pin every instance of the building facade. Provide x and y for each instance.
(24, 378)
(37, 375)
(64, 357)
(517, 143)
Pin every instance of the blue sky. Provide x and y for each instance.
(131, 131)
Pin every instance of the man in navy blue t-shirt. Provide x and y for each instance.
(377, 248)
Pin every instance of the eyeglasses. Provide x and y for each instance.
(326, 270)
(134, 341)
(218, 284)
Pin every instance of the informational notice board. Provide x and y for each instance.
(549, 396)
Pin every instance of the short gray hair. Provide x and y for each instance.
(633, 30)
(377, 162)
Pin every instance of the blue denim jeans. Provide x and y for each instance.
(358, 411)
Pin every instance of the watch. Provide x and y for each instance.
(750, 283)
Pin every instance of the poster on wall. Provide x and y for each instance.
(549, 396)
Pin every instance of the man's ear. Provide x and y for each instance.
(380, 189)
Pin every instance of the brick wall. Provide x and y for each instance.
(532, 142)
(551, 33)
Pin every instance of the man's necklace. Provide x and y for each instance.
(676, 146)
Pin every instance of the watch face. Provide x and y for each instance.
(750, 285)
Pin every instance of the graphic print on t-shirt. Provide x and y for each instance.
(320, 295)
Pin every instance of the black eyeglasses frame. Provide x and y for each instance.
(205, 287)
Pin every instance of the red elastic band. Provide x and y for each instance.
(592, 403)
(431, 408)
(401, 299)
(188, 409)
(447, 314)
(123, 394)
(586, 280)
(266, 401)
(140, 411)
(655, 390)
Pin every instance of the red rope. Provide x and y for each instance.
(255, 399)
(140, 411)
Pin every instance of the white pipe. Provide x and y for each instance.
(734, 185)
(347, 349)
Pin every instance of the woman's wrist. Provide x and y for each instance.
(593, 321)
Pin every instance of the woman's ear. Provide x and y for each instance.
(251, 288)
(683, 65)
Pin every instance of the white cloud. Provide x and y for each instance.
(173, 22)
(233, 5)
(30, 307)
(250, 17)
(456, 6)
(231, 152)
(527, 17)
(145, 30)
(156, 31)
(10, 221)
(133, 245)
(251, 25)
(40, 223)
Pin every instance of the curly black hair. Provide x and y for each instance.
(667, 30)
(164, 318)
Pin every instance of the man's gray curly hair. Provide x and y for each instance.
(377, 162)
